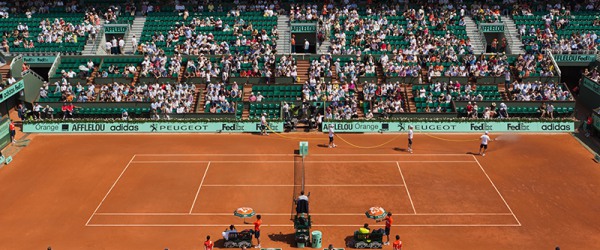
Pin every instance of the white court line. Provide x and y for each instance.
(291, 225)
(295, 154)
(408, 193)
(312, 214)
(199, 187)
(111, 188)
(502, 197)
(307, 185)
(216, 154)
(367, 161)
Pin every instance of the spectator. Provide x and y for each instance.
(48, 112)
(543, 110)
(37, 108)
(503, 111)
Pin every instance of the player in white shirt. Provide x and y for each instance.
(410, 138)
(331, 135)
(263, 124)
(485, 139)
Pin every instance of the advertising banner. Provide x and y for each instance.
(39, 59)
(491, 27)
(451, 127)
(565, 58)
(149, 127)
(596, 119)
(304, 28)
(115, 28)
(11, 90)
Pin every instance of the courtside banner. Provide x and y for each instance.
(451, 127)
(149, 127)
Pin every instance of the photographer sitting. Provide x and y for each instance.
(226, 233)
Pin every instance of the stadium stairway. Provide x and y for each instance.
(4, 70)
(380, 76)
(91, 46)
(474, 36)
(515, 43)
(199, 98)
(303, 66)
(324, 47)
(283, 41)
(246, 98)
(410, 99)
(136, 29)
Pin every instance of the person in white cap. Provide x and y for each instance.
(410, 138)
(485, 139)
(331, 135)
(263, 124)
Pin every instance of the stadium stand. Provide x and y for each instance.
(384, 59)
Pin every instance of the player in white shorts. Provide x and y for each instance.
(485, 139)
(331, 135)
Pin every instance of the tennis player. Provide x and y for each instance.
(331, 135)
(263, 124)
(410, 138)
(485, 139)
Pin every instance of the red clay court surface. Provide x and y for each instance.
(159, 191)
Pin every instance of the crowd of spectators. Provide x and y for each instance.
(159, 66)
(386, 98)
(203, 41)
(69, 93)
(593, 74)
(287, 67)
(349, 71)
(527, 65)
(366, 34)
(400, 65)
(320, 68)
(486, 13)
(343, 110)
(493, 111)
(550, 36)
(7, 82)
(538, 91)
(232, 65)
(304, 12)
(220, 99)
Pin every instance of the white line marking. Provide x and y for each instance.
(408, 193)
(216, 154)
(199, 187)
(307, 185)
(313, 214)
(111, 188)
(367, 161)
(392, 154)
(291, 225)
(502, 197)
(294, 154)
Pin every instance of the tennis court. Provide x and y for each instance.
(157, 191)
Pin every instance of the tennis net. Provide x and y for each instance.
(298, 180)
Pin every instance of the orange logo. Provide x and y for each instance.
(376, 211)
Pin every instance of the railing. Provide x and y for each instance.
(483, 40)
(52, 70)
(510, 37)
(582, 52)
(126, 36)
(36, 75)
(549, 53)
(15, 59)
(98, 39)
